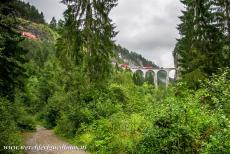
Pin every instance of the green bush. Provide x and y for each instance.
(177, 120)
(138, 78)
(9, 135)
(52, 112)
(126, 118)
(117, 134)
(183, 125)
(71, 120)
(217, 91)
(26, 122)
(65, 127)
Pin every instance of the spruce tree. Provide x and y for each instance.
(11, 54)
(199, 51)
(222, 12)
(69, 45)
(95, 35)
(53, 23)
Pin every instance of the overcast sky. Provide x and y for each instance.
(147, 27)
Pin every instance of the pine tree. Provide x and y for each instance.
(11, 54)
(95, 35)
(69, 44)
(41, 18)
(222, 12)
(199, 50)
(53, 23)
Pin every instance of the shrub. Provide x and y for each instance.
(26, 122)
(51, 113)
(183, 125)
(117, 134)
(9, 136)
(217, 91)
(71, 120)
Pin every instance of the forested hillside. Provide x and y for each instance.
(27, 11)
(64, 80)
(133, 59)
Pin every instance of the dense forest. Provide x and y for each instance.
(27, 11)
(65, 81)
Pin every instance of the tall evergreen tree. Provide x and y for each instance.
(200, 49)
(222, 12)
(53, 23)
(95, 35)
(11, 54)
(69, 44)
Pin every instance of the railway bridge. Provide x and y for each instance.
(155, 71)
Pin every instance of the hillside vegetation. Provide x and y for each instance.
(64, 80)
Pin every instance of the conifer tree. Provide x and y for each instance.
(200, 49)
(69, 44)
(95, 35)
(11, 54)
(222, 13)
(53, 23)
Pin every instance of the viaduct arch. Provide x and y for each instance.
(156, 71)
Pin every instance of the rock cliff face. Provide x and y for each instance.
(41, 31)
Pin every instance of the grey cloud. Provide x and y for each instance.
(148, 27)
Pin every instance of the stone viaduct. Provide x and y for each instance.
(145, 70)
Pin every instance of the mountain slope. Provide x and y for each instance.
(132, 58)
(45, 34)
(32, 22)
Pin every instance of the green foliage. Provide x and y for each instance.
(51, 112)
(181, 125)
(26, 123)
(144, 120)
(117, 134)
(204, 43)
(194, 78)
(95, 31)
(53, 23)
(149, 77)
(8, 130)
(39, 51)
(217, 91)
(138, 78)
(40, 69)
(69, 49)
(64, 91)
(27, 11)
(13, 117)
(11, 55)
